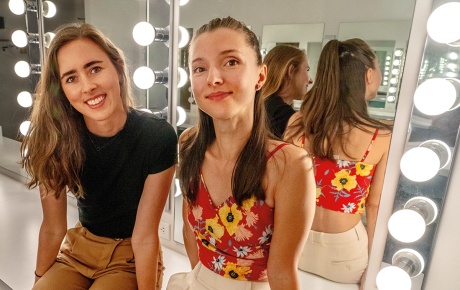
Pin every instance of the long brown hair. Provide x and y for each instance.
(279, 60)
(251, 164)
(52, 152)
(337, 98)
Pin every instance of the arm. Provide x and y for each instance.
(294, 212)
(145, 240)
(52, 230)
(189, 237)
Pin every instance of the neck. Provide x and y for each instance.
(107, 127)
(231, 137)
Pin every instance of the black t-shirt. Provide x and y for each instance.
(113, 177)
(278, 114)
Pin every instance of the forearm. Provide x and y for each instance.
(371, 216)
(146, 261)
(284, 279)
(191, 248)
(48, 249)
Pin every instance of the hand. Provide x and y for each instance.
(362, 280)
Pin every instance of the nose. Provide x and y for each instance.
(88, 84)
(214, 77)
(310, 80)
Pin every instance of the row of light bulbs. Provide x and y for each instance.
(433, 97)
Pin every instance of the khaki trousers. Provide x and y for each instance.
(201, 278)
(87, 261)
(339, 257)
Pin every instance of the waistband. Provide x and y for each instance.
(356, 233)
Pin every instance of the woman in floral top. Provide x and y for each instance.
(233, 176)
(350, 151)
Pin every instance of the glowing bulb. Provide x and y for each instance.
(182, 116)
(18, 7)
(184, 37)
(392, 90)
(24, 127)
(49, 9)
(443, 23)
(396, 62)
(393, 81)
(391, 99)
(393, 278)
(406, 225)
(181, 2)
(22, 69)
(395, 71)
(19, 38)
(420, 164)
(183, 78)
(435, 96)
(453, 56)
(398, 52)
(24, 99)
(143, 33)
(48, 37)
(144, 77)
(178, 191)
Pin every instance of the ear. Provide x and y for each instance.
(291, 71)
(262, 76)
(369, 76)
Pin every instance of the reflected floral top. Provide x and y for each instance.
(343, 185)
(233, 241)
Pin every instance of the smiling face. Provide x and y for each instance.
(90, 82)
(225, 74)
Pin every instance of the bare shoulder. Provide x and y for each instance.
(283, 155)
(294, 118)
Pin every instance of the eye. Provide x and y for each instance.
(232, 62)
(70, 79)
(198, 70)
(96, 69)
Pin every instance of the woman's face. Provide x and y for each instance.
(89, 80)
(302, 80)
(224, 74)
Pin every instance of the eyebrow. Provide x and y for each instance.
(225, 52)
(91, 63)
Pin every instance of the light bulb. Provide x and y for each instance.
(393, 278)
(392, 90)
(398, 52)
(178, 191)
(391, 99)
(184, 37)
(443, 23)
(182, 116)
(395, 71)
(143, 33)
(25, 99)
(420, 164)
(144, 77)
(18, 7)
(22, 69)
(183, 78)
(453, 56)
(49, 9)
(19, 38)
(181, 2)
(406, 225)
(435, 96)
(24, 127)
(48, 37)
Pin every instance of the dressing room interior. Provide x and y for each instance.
(418, 52)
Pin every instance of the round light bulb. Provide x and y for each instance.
(420, 164)
(395, 71)
(453, 56)
(398, 52)
(18, 7)
(443, 23)
(144, 77)
(182, 116)
(24, 127)
(49, 9)
(19, 38)
(435, 96)
(143, 33)
(25, 99)
(392, 90)
(184, 37)
(391, 99)
(48, 37)
(22, 69)
(393, 278)
(183, 78)
(406, 225)
(181, 2)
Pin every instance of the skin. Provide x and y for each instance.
(90, 83)
(297, 88)
(224, 78)
(358, 140)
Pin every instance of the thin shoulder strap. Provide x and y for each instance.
(370, 145)
(270, 154)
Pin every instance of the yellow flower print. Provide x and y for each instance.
(343, 179)
(318, 193)
(248, 203)
(205, 242)
(363, 169)
(361, 205)
(214, 229)
(230, 217)
(234, 272)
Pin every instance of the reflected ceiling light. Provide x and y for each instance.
(24, 127)
(18, 7)
(441, 149)
(406, 263)
(47, 38)
(25, 99)
(49, 9)
(181, 2)
(436, 96)
(143, 77)
(443, 24)
(420, 164)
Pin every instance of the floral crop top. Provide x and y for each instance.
(343, 185)
(233, 241)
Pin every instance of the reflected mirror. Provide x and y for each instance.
(308, 24)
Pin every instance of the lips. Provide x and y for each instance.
(95, 101)
(217, 96)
